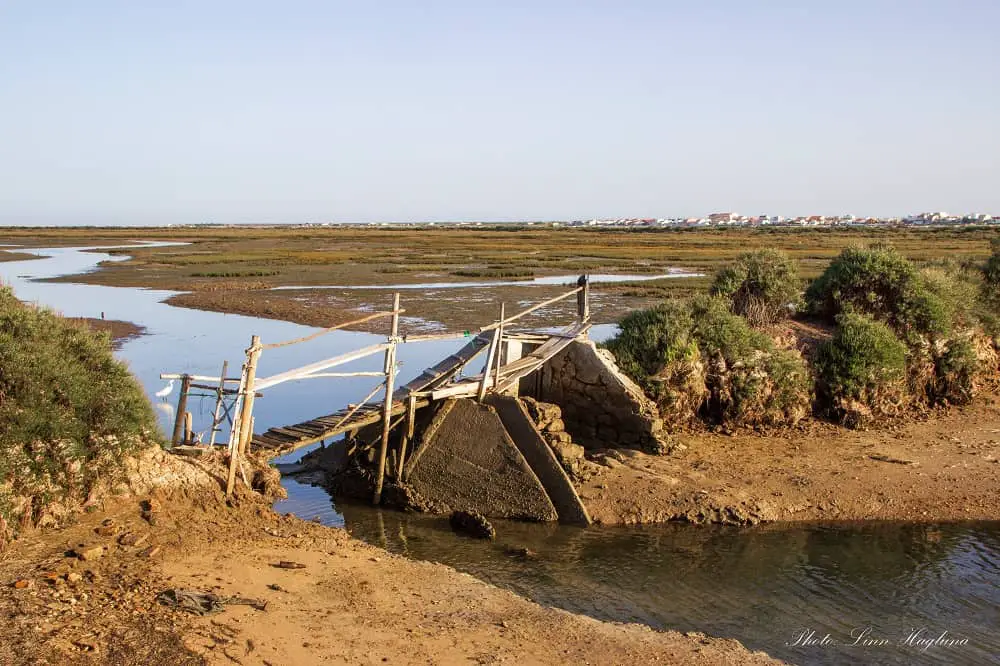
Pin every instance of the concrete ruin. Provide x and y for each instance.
(512, 453)
(602, 408)
(467, 461)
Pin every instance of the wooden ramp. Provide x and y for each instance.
(434, 383)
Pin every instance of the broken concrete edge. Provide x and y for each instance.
(536, 451)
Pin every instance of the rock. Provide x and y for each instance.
(133, 539)
(520, 553)
(149, 509)
(288, 564)
(73, 577)
(108, 528)
(559, 437)
(555, 425)
(24, 584)
(88, 553)
(567, 452)
(267, 482)
(472, 524)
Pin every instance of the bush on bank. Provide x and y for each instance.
(861, 372)
(699, 360)
(905, 336)
(762, 286)
(879, 282)
(69, 412)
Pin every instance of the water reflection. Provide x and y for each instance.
(759, 585)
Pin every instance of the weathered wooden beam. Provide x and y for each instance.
(296, 373)
(245, 429)
(411, 418)
(182, 401)
(199, 378)
(219, 398)
(313, 336)
(537, 306)
(436, 336)
(390, 375)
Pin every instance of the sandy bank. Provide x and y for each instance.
(350, 603)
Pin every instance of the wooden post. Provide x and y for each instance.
(219, 396)
(583, 298)
(188, 427)
(244, 431)
(491, 355)
(499, 362)
(390, 374)
(182, 401)
(411, 417)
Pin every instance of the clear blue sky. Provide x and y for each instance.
(142, 112)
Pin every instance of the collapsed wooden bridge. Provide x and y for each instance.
(510, 357)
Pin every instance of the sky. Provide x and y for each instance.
(143, 112)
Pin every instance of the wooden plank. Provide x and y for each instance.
(297, 373)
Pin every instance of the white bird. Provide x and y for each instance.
(165, 391)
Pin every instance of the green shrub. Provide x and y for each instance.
(696, 358)
(989, 297)
(762, 286)
(861, 371)
(956, 373)
(655, 348)
(749, 381)
(69, 412)
(879, 282)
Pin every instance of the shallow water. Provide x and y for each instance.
(763, 586)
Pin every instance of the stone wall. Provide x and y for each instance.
(601, 407)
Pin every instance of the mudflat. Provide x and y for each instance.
(944, 466)
(234, 269)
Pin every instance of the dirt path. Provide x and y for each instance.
(940, 469)
(351, 603)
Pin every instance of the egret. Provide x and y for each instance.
(165, 391)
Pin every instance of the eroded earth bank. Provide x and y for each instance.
(89, 593)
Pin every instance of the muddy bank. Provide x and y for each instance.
(120, 331)
(428, 310)
(347, 603)
(941, 468)
(13, 255)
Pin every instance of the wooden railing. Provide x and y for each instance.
(240, 411)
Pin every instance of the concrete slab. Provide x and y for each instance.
(467, 461)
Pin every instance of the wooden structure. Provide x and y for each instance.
(503, 370)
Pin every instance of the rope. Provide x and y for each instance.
(313, 336)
